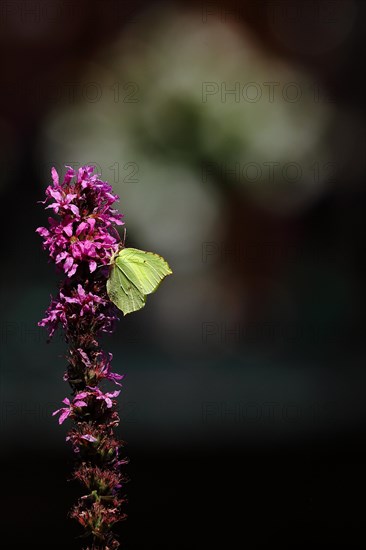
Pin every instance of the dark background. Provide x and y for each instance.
(243, 406)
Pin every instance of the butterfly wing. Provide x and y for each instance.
(145, 269)
(135, 274)
(123, 293)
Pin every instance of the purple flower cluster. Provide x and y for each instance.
(75, 308)
(81, 238)
(85, 231)
(82, 399)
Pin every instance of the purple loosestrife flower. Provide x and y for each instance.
(81, 238)
(100, 368)
(71, 407)
(78, 309)
(85, 230)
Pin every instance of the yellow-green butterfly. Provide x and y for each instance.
(135, 274)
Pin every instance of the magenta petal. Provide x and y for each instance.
(81, 395)
(65, 414)
(60, 257)
(113, 376)
(55, 206)
(92, 266)
(74, 209)
(91, 222)
(113, 379)
(69, 175)
(80, 404)
(71, 300)
(81, 228)
(42, 231)
(81, 291)
(72, 270)
(68, 263)
(84, 357)
(75, 250)
(80, 174)
(55, 194)
(87, 246)
(55, 177)
(68, 229)
(89, 437)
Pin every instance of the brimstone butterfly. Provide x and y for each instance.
(135, 274)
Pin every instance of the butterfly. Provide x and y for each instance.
(133, 275)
